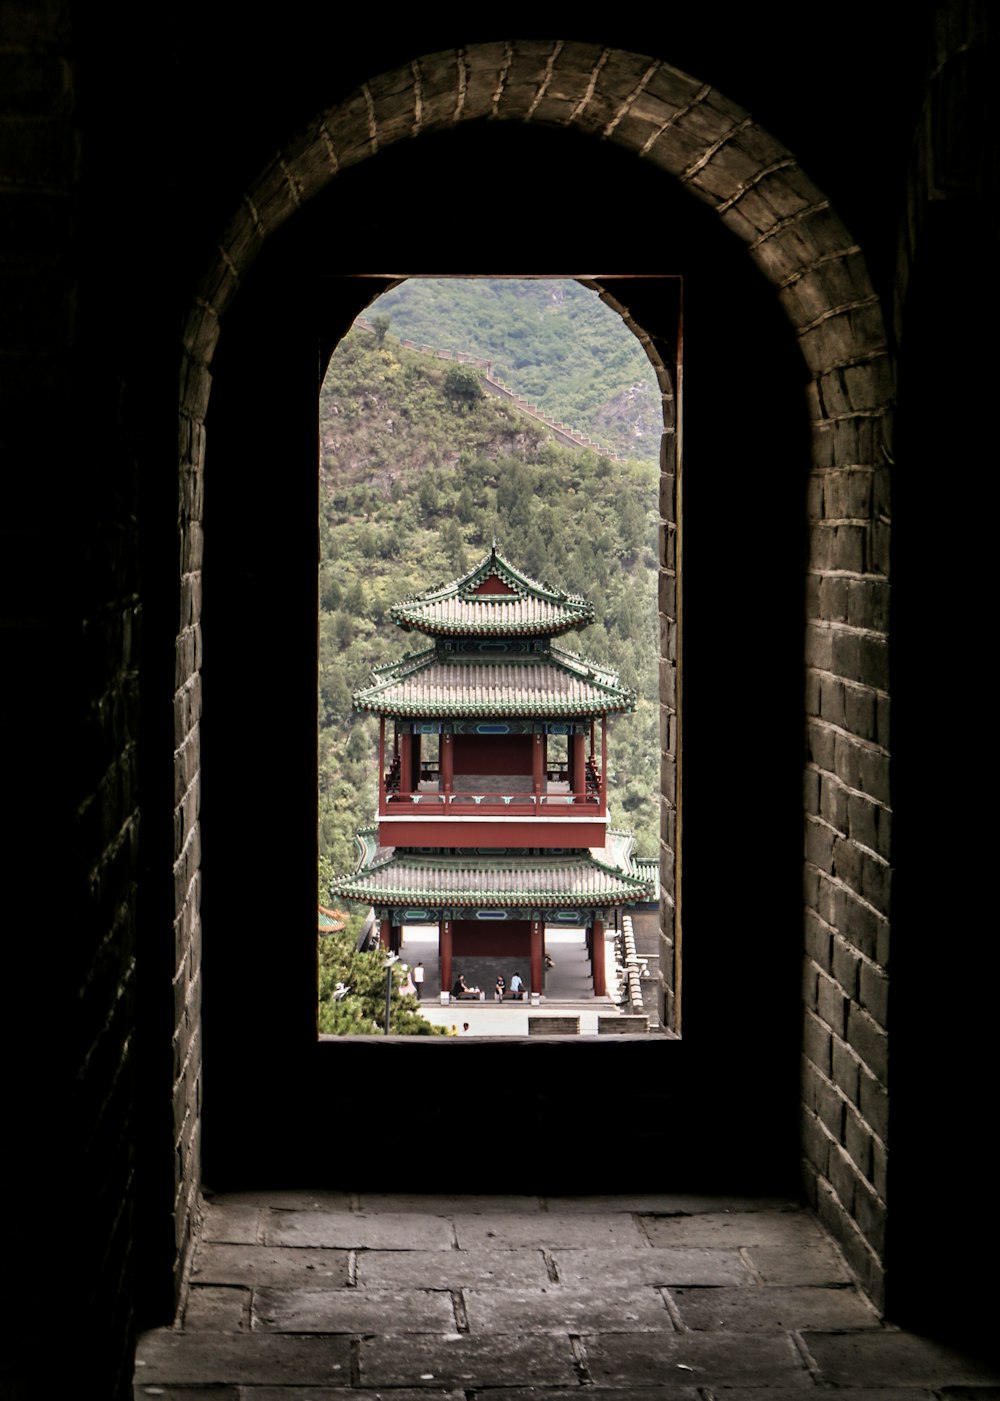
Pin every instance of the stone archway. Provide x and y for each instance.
(725, 159)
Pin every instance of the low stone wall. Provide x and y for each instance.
(553, 1026)
(621, 1026)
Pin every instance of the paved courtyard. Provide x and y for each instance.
(296, 1296)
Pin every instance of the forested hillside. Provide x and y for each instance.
(551, 340)
(419, 471)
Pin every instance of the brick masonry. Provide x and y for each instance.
(715, 149)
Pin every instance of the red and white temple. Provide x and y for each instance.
(492, 811)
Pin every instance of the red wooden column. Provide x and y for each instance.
(415, 752)
(447, 764)
(597, 957)
(537, 981)
(604, 764)
(381, 763)
(385, 933)
(579, 765)
(405, 763)
(538, 765)
(444, 953)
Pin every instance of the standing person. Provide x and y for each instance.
(407, 987)
(418, 979)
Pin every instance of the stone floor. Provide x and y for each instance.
(342, 1296)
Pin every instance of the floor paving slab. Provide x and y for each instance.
(772, 1309)
(354, 1311)
(294, 1199)
(212, 1309)
(685, 1265)
(436, 1205)
(812, 1262)
(861, 1393)
(600, 1393)
(340, 1393)
(454, 1269)
(547, 1231)
(191, 1393)
(622, 1359)
(307, 1267)
(461, 1360)
(170, 1357)
(235, 1223)
(562, 1308)
(387, 1231)
(889, 1358)
(789, 1229)
(667, 1204)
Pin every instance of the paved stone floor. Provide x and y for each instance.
(341, 1296)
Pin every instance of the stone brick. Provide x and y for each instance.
(820, 843)
(843, 1176)
(811, 1264)
(250, 1264)
(870, 1214)
(831, 1004)
(630, 1359)
(255, 1359)
(553, 1232)
(561, 1307)
(845, 966)
(395, 1360)
(353, 1310)
(845, 1070)
(816, 1043)
(818, 940)
(217, 1310)
(825, 1101)
(869, 1040)
(874, 1103)
(892, 1359)
(343, 1230)
(815, 1143)
(875, 993)
(453, 1269)
(773, 1309)
(857, 1140)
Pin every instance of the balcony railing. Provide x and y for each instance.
(495, 794)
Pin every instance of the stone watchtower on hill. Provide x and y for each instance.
(492, 809)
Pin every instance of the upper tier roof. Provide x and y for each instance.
(493, 600)
(425, 685)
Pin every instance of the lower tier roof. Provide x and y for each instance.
(595, 877)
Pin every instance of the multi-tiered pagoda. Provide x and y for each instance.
(492, 806)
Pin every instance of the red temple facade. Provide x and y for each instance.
(492, 808)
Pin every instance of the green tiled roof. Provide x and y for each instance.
(586, 878)
(527, 608)
(560, 683)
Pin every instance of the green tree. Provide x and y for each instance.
(380, 324)
(463, 385)
(361, 1011)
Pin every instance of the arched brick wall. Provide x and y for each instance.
(717, 151)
